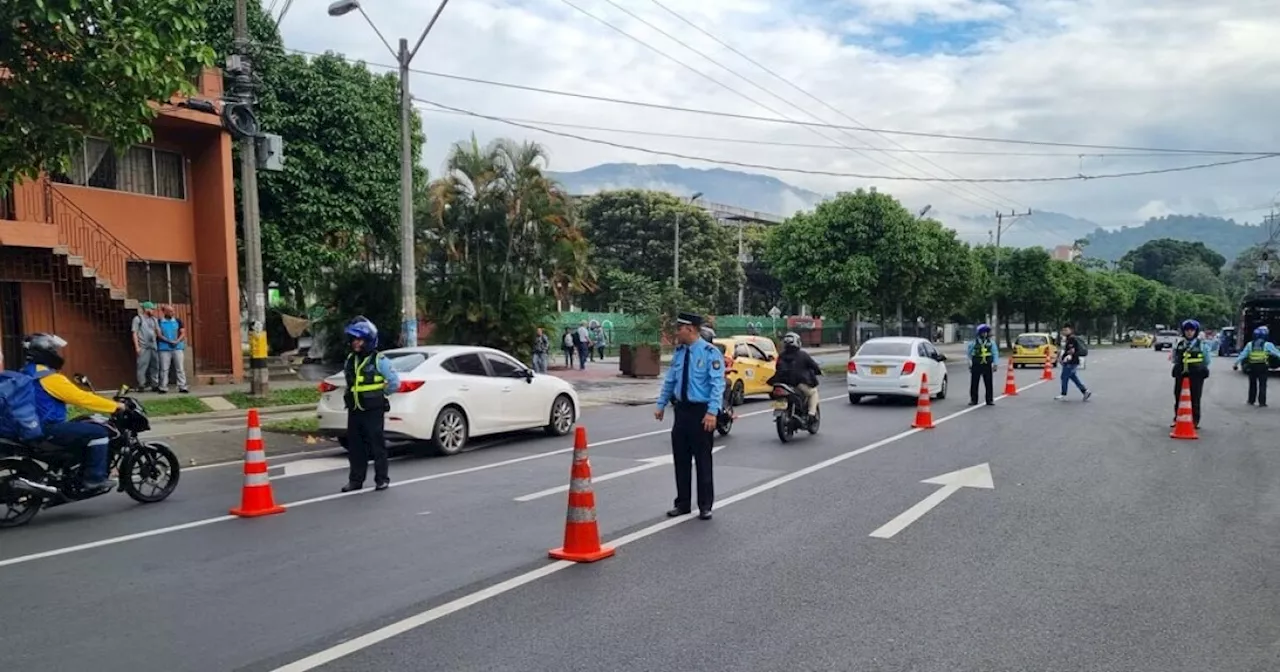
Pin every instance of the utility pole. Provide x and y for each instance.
(243, 90)
(995, 280)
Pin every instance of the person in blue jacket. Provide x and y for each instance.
(983, 355)
(370, 380)
(1255, 358)
(1191, 359)
(52, 395)
(694, 384)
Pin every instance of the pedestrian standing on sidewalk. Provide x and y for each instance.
(1073, 352)
(541, 347)
(695, 385)
(370, 380)
(567, 341)
(172, 350)
(145, 331)
(1257, 357)
(983, 356)
(583, 344)
(1191, 358)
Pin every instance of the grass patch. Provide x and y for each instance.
(835, 369)
(281, 397)
(160, 408)
(293, 426)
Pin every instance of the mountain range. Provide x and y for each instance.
(768, 194)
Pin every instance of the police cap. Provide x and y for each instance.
(691, 319)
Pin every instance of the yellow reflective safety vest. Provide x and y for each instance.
(1258, 353)
(1192, 357)
(365, 385)
(982, 352)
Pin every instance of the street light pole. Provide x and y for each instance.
(408, 271)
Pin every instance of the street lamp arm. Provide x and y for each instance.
(431, 24)
(374, 26)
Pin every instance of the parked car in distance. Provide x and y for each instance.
(1141, 340)
(891, 366)
(451, 393)
(1029, 350)
(1166, 338)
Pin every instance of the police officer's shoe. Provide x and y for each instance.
(350, 487)
(677, 512)
(704, 515)
(382, 486)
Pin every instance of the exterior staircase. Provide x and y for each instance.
(88, 248)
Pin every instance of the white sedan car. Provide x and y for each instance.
(450, 393)
(892, 366)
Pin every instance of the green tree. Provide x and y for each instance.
(1036, 291)
(77, 67)
(952, 278)
(634, 230)
(495, 220)
(1157, 259)
(1241, 277)
(1197, 278)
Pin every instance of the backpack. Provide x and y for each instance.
(1082, 350)
(19, 420)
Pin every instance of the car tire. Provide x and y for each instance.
(942, 389)
(855, 398)
(739, 394)
(450, 431)
(561, 417)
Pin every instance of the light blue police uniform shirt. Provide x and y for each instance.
(1248, 348)
(706, 377)
(995, 351)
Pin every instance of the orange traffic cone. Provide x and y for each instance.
(581, 533)
(256, 498)
(1048, 366)
(1184, 427)
(924, 411)
(1010, 385)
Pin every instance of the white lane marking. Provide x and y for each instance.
(425, 513)
(296, 455)
(380, 635)
(649, 463)
(324, 498)
(970, 477)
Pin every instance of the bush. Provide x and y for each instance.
(361, 292)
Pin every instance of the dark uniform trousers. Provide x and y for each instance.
(1197, 388)
(979, 371)
(1258, 385)
(365, 439)
(689, 443)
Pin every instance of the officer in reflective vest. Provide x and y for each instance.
(370, 379)
(1255, 358)
(1191, 360)
(984, 355)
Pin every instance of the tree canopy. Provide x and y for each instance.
(1160, 259)
(74, 67)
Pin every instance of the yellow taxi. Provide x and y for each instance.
(749, 361)
(1141, 340)
(1029, 350)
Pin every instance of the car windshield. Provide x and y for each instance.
(404, 362)
(1168, 332)
(885, 349)
(720, 347)
(1029, 341)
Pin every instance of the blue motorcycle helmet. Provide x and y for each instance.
(361, 328)
(1261, 332)
(1192, 325)
(984, 329)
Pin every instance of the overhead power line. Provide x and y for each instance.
(747, 117)
(864, 176)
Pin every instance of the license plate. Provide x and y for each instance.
(780, 405)
(879, 370)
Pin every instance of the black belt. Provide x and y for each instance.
(690, 404)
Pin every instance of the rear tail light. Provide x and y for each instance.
(908, 368)
(326, 387)
(409, 385)
(779, 392)
(853, 368)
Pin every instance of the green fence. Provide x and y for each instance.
(621, 328)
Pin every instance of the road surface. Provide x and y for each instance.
(1035, 535)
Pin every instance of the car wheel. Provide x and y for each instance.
(942, 389)
(855, 398)
(449, 435)
(562, 416)
(739, 394)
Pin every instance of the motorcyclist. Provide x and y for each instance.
(1255, 356)
(796, 368)
(52, 395)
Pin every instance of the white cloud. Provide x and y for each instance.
(1129, 72)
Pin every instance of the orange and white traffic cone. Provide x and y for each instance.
(256, 498)
(581, 533)
(1048, 366)
(924, 410)
(1184, 427)
(1010, 385)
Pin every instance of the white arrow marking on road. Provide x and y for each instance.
(972, 477)
(649, 463)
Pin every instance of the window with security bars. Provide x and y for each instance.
(141, 169)
(159, 282)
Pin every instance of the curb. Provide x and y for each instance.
(222, 415)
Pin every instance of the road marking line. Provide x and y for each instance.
(649, 463)
(385, 633)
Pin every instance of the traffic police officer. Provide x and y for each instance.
(1191, 360)
(370, 379)
(695, 384)
(984, 355)
(1257, 353)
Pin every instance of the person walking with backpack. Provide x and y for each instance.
(1256, 358)
(1073, 353)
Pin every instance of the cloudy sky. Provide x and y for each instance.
(1187, 74)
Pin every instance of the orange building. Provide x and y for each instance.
(80, 252)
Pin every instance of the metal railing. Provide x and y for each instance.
(84, 237)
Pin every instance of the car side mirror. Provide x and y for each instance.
(941, 357)
(528, 375)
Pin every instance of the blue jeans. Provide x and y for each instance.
(87, 436)
(582, 356)
(1069, 375)
(540, 362)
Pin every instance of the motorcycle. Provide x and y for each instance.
(42, 475)
(790, 412)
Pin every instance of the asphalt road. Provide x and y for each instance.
(1104, 545)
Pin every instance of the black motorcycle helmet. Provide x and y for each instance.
(708, 334)
(44, 349)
